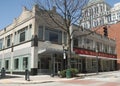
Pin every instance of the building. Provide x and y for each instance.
(93, 49)
(113, 32)
(95, 13)
(31, 43)
(115, 13)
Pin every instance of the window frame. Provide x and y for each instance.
(16, 63)
(7, 64)
(22, 39)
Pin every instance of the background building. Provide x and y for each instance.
(115, 13)
(113, 31)
(95, 13)
(94, 52)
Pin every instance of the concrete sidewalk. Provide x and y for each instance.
(47, 78)
(33, 79)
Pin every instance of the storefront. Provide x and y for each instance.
(95, 61)
(51, 61)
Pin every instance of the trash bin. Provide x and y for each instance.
(68, 73)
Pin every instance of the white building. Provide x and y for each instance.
(95, 13)
(115, 13)
(29, 42)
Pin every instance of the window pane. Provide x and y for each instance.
(7, 64)
(1, 43)
(8, 41)
(40, 33)
(76, 42)
(22, 36)
(25, 62)
(16, 63)
(53, 37)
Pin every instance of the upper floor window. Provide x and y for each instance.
(1, 43)
(30, 26)
(76, 42)
(40, 33)
(53, 35)
(8, 40)
(112, 50)
(105, 48)
(99, 46)
(22, 36)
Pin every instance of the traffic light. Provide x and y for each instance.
(105, 31)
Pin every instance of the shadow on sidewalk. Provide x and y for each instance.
(9, 76)
(81, 76)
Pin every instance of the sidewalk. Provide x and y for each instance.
(47, 78)
(15, 79)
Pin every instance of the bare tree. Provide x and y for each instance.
(68, 12)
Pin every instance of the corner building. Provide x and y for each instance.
(29, 42)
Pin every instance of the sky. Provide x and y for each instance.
(10, 9)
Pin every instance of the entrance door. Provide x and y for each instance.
(58, 67)
(79, 67)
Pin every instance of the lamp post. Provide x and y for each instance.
(68, 72)
(97, 61)
(64, 56)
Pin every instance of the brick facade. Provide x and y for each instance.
(114, 33)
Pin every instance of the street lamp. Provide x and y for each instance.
(68, 72)
(97, 71)
(64, 56)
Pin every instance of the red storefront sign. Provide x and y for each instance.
(93, 53)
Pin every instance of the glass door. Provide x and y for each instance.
(58, 67)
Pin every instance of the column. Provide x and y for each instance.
(11, 64)
(34, 60)
(52, 65)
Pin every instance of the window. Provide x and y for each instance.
(30, 26)
(8, 40)
(55, 36)
(40, 33)
(22, 36)
(16, 63)
(112, 50)
(6, 64)
(25, 62)
(106, 48)
(76, 42)
(99, 46)
(1, 43)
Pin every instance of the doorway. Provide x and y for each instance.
(58, 67)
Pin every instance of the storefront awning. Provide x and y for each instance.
(49, 51)
(90, 56)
